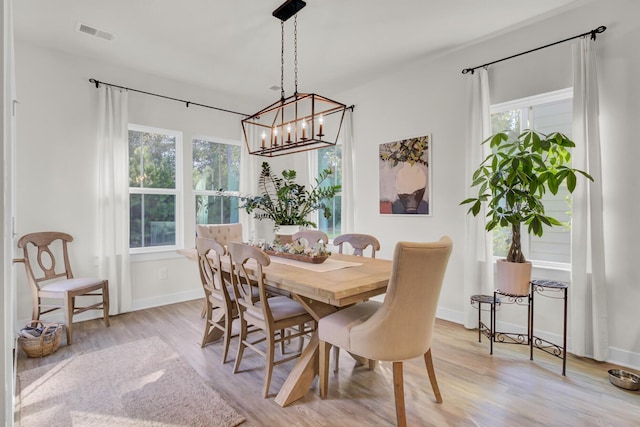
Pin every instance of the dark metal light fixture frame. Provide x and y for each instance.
(301, 122)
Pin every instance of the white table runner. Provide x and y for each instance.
(328, 265)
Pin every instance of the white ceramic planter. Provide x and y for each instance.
(284, 233)
(513, 278)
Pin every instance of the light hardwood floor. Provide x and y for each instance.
(506, 389)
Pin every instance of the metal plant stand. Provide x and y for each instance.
(546, 288)
(555, 290)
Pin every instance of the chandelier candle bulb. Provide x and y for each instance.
(289, 133)
(304, 130)
(264, 136)
(320, 121)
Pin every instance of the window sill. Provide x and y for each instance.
(154, 256)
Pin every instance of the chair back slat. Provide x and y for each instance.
(311, 236)
(358, 242)
(246, 270)
(209, 266)
(47, 247)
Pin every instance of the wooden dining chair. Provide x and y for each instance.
(359, 242)
(311, 236)
(223, 234)
(219, 294)
(53, 282)
(401, 327)
(270, 314)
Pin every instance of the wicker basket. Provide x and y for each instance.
(47, 343)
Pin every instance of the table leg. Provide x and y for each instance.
(306, 368)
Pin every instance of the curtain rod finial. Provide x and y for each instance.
(94, 81)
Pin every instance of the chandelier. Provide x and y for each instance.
(301, 122)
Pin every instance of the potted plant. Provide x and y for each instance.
(513, 179)
(288, 203)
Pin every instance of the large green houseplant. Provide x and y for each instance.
(514, 177)
(285, 202)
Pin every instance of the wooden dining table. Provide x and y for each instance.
(321, 293)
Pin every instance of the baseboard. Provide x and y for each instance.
(617, 356)
(624, 358)
(167, 299)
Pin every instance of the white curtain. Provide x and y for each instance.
(348, 184)
(587, 293)
(113, 196)
(478, 260)
(249, 169)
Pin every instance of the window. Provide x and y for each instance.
(154, 188)
(551, 112)
(331, 157)
(216, 166)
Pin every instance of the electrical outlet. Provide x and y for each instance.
(162, 274)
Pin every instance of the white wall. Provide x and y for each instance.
(56, 159)
(57, 120)
(430, 96)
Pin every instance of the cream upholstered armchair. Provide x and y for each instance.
(221, 233)
(401, 327)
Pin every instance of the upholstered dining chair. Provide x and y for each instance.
(54, 281)
(221, 233)
(359, 242)
(401, 327)
(218, 293)
(311, 236)
(270, 314)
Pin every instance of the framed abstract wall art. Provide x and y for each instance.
(405, 176)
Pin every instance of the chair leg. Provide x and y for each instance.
(228, 323)
(432, 376)
(68, 317)
(105, 303)
(398, 390)
(204, 307)
(241, 344)
(268, 368)
(324, 350)
(283, 334)
(336, 358)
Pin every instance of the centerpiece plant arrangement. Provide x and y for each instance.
(286, 202)
(512, 180)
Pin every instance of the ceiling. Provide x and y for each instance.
(234, 45)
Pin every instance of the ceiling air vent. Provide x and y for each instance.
(93, 31)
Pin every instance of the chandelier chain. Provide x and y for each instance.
(282, 59)
(295, 51)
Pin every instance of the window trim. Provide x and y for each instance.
(178, 192)
(522, 103)
(215, 140)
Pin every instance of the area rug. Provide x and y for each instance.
(143, 383)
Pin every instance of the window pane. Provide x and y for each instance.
(555, 244)
(152, 220)
(215, 166)
(152, 160)
(216, 210)
(331, 157)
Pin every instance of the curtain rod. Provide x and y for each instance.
(187, 103)
(593, 33)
